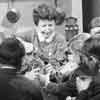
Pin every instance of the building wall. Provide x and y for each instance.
(77, 12)
(26, 7)
(3, 10)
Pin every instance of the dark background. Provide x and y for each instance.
(91, 9)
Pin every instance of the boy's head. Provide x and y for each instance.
(90, 56)
(12, 52)
(95, 26)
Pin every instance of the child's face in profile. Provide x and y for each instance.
(83, 82)
(46, 28)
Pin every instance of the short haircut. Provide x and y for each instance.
(46, 12)
(12, 52)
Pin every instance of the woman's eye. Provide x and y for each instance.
(50, 25)
(83, 78)
(43, 26)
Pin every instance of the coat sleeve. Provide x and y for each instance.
(65, 89)
(96, 92)
(83, 95)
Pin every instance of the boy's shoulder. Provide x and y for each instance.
(22, 83)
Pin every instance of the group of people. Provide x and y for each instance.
(53, 69)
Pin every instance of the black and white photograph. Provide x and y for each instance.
(49, 49)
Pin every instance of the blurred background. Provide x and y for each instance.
(70, 7)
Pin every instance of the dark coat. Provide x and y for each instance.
(16, 87)
(63, 89)
(68, 88)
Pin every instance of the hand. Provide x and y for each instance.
(56, 77)
(32, 74)
(44, 79)
(68, 68)
(82, 84)
(70, 98)
(49, 68)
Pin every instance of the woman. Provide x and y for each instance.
(48, 45)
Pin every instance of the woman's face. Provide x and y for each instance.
(46, 28)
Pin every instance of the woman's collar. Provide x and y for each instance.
(42, 39)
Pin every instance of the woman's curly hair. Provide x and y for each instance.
(49, 13)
